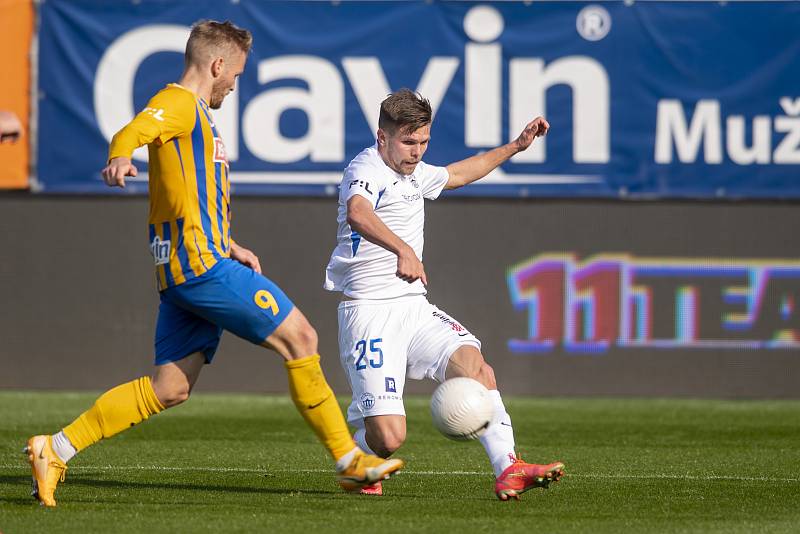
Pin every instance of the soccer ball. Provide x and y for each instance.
(462, 409)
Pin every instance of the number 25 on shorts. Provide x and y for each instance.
(363, 359)
(265, 300)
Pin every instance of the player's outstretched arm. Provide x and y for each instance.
(362, 219)
(167, 115)
(471, 169)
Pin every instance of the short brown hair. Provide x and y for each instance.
(404, 111)
(210, 37)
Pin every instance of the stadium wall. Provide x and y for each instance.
(569, 298)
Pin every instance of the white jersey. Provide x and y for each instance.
(364, 270)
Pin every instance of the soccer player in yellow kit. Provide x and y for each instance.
(207, 282)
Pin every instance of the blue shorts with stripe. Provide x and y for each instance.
(229, 296)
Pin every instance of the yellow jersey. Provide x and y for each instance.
(188, 181)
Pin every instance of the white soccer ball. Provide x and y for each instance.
(462, 409)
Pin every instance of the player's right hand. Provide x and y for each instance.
(117, 169)
(409, 268)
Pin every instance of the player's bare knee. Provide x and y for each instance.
(384, 437)
(172, 395)
(308, 339)
(300, 338)
(486, 376)
(466, 361)
(174, 398)
(389, 443)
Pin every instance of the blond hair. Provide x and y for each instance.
(211, 38)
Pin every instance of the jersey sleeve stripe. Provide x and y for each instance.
(166, 235)
(220, 226)
(180, 158)
(183, 255)
(199, 148)
(159, 268)
(356, 239)
(199, 254)
(190, 268)
(196, 255)
(225, 211)
(218, 185)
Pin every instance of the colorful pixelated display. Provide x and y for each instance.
(605, 301)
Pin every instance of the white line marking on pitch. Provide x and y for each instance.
(266, 470)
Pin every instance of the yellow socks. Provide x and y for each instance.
(129, 404)
(317, 404)
(115, 410)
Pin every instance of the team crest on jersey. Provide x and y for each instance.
(367, 400)
(160, 248)
(220, 156)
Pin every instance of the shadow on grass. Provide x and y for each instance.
(25, 481)
(178, 486)
(24, 485)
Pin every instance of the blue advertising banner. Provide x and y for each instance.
(647, 100)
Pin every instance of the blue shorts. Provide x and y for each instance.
(230, 296)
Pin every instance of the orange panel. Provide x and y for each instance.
(16, 30)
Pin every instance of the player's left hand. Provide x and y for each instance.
(536, 128)
(245, 257)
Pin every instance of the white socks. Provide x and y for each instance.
(346, 460)
(499, 437)
(63, 448)
(360, 437)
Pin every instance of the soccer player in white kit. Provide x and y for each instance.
(387, 328)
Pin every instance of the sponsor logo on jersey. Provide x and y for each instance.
(391, 386)
(160, 250)
(156, 113)
(460, 330)
(367, 400)
(220, 156)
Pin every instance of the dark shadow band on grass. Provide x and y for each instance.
(177, 486)
(25, 481)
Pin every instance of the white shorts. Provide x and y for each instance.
(382, 341)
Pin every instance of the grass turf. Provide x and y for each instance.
(240, 463)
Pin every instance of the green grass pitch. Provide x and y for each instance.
(243, 463)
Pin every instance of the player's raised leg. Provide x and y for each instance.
(296, 340)
(513, 476)
(240, 299)
(183, 343)
(115, 410)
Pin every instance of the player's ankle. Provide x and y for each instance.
(344, 462)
